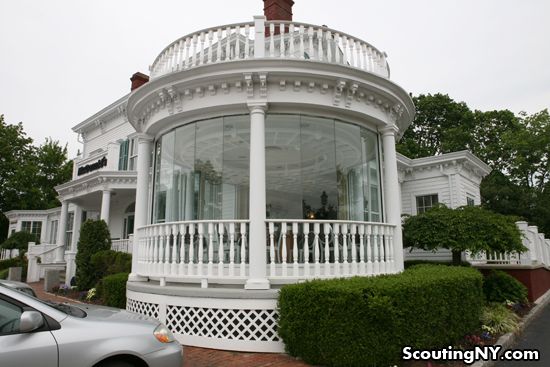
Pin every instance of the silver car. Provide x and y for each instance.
(38, 333)
(20, 286)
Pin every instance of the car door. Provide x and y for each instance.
(17, 349)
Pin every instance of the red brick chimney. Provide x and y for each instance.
(138, 79)
(278, 9)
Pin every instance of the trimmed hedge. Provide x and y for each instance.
(108, 262)
(365, 321)
(94, 237)
(411, 263)
(19, 240)
(500, 286)
(113, 290)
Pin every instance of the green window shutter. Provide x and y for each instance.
(123, 156)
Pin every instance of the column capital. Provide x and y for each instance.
(141, 137)
(390, 130)
(257, 106)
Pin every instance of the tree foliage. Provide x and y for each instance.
(28, 174)
(94, 237)
(20, 241)
(517, 147)
(465, 228)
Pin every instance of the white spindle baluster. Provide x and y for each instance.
(210, 43)
(272, 40)
(383, 250)
(282, 38)
(358, 53)
(221, 231)
(237, 43)
(320, 54)
(187, 61)
(311, 50)
(173, 260)
(390, 252)
(195, 41)
(337, 47)
(326, 231)
(369, 252)
(328, 36)
(375, 243)
(295, 248)
(345, 257)
(163, 249)
(353, 245)
(219, 49)
(291, 41)
(351, 52)
(305, 229)
(228, 44)
(336, 233)
(302, 50)
(345, 49)
(365, 57)
(231, 249)
(361, 248)
(247, 41)
(181, 265)
(243, 249)
(271, 226)
(190, 267)
(210, 247)
(200, 269)
(316, 248)
(284, 251)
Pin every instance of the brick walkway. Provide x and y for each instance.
(202, 357)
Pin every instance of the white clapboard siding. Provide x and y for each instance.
(434, 185)
(117, 129)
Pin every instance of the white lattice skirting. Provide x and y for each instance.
(220, 323)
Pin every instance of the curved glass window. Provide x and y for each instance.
(316, 168)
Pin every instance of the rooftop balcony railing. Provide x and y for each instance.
(269, 39)
(218, 250)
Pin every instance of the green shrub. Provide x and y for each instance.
(499, 319)
(94, 237)
(113, 290)
(411, 263)
(499, 286)
(108, 262)
(6, 264)
(365, 321)
(19, 240)
(4, 273)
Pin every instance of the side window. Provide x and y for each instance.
(425, 202)
(470, 201)
(9, 317)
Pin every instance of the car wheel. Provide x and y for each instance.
(116, 363)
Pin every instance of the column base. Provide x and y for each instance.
(133, 277)
(257, 284)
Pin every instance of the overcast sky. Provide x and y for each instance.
(63, 60)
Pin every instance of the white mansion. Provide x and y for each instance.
(258, 154)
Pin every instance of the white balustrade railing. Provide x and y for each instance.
(317, 248)
(280, 39)
(6, 254)
(194, 249)
(538, 250)
(123, 245)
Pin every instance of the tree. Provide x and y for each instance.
(94, 237)
(465, 228)
(441, 125)
(28, 174)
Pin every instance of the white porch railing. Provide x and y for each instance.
(45, 253)
(277, 39)
(194, 249)
(538, 250)
(295, 249)
(6, 254)
(316, 248)
(123, 245)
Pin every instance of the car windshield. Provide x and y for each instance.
(67, 308)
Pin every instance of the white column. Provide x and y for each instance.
(257, 234)
(44, 231)
(105, 205)
(61, 232)
(145, 145)
(392, 197)
(70, 255)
